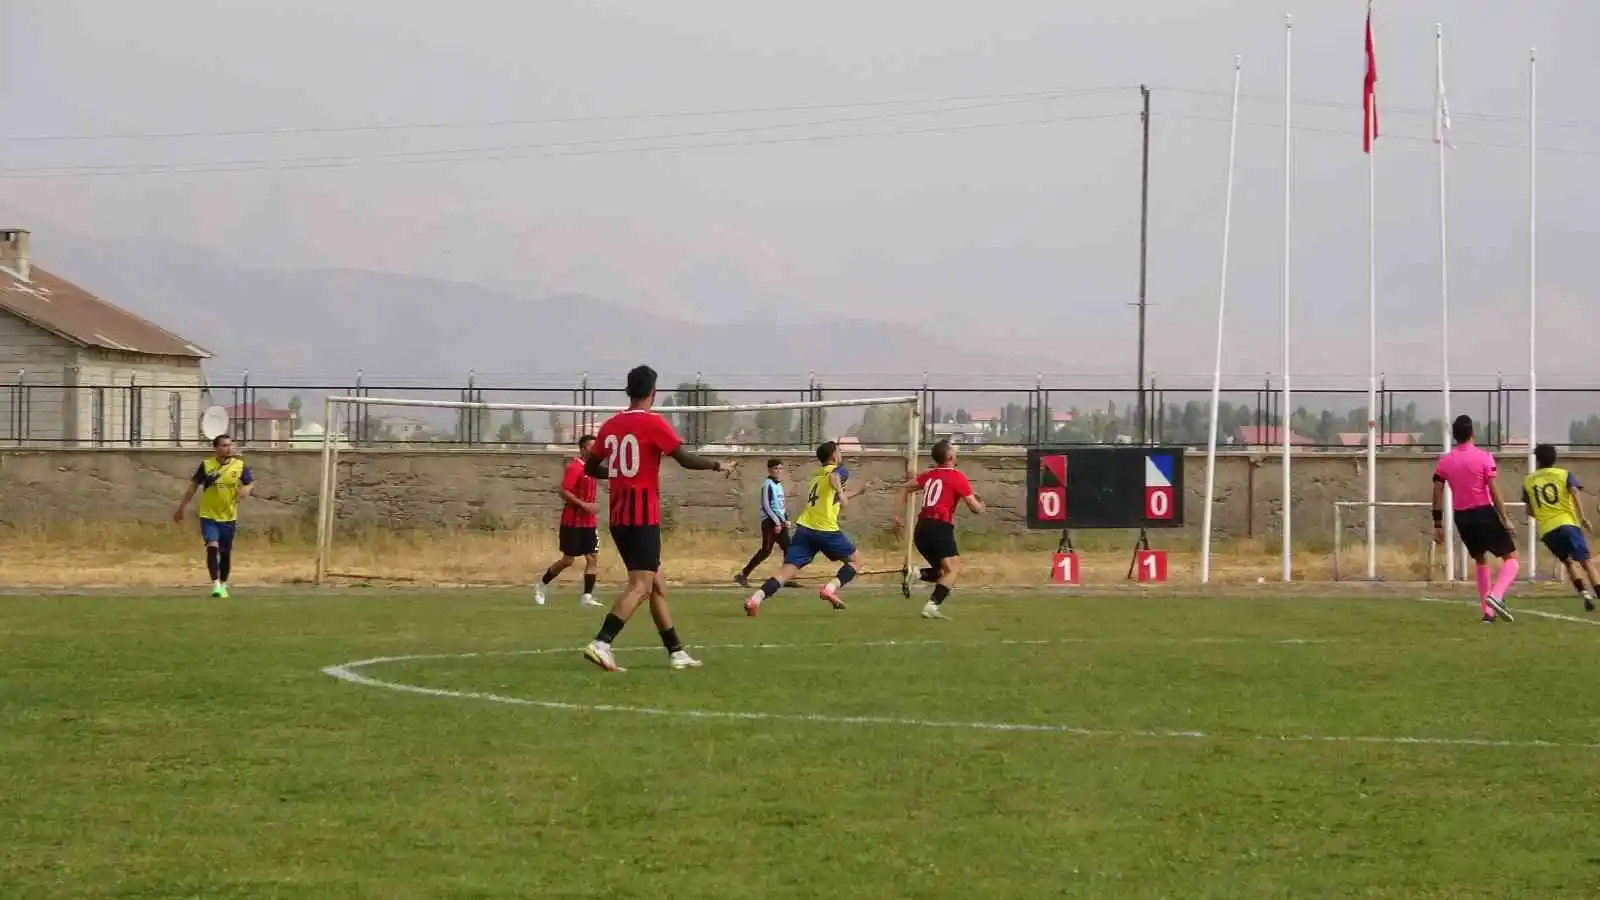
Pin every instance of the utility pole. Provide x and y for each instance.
(1144, 247)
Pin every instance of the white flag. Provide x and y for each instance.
(1441, 118)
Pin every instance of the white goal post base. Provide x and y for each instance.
(326, 496)
(1462, 563)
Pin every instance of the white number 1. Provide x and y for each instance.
(930, 497)
(1065, 565)
(1150, 564)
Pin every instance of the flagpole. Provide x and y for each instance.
(1372, 315)
(1441, 136)
(1216, 374)
(1533, 297)
(1286, 426)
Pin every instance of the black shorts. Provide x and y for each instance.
(579, 540)
(936, 541)
(639, 546)
(773, 533)
(1482, 531)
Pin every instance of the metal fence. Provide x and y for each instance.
(286, 415)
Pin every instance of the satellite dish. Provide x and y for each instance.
(214, 422)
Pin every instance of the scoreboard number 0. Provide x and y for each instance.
(1158, 503)
(1052, 504)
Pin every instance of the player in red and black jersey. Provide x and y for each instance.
(627, 455)
(942, 487)
(578, 534)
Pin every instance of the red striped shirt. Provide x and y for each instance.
(942, 488)
(632, 443)
(579, 485)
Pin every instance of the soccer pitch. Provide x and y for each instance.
(1038, 744)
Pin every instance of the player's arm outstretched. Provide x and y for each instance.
(902, 496)
(694, 462)
(975, 504)
(844, 496)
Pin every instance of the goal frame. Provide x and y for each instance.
(1455, 551)
(326, 494)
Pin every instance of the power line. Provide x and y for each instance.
(571, 120)
(1387, 135)
(523, 152)
(548, 145)
(1389, 110)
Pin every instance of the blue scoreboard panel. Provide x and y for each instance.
(1105, 487)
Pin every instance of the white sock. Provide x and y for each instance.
(588, 597)
(833, 586)
(757, 597)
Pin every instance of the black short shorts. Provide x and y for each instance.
(639, 546)
(936, 541)
(1482, 531)
(578, 540)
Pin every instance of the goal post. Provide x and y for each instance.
(345, 409)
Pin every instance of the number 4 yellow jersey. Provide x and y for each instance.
(822, 503)
(1548, 493)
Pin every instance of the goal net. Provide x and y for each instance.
(482, 500)
(1409, 550)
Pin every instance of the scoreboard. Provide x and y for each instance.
(1105, 487)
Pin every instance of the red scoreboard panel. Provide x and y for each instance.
(1105, 487)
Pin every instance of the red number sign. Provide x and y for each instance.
(1158, 503)
(1064, 569)
(1052, 504)
(1150, 566)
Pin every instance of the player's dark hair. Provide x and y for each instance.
(941, 452)
(217, 441)
(585, 441)
(826, 450)
(641, 382)
(774, 463)
(1461, 429)
(1545, 455)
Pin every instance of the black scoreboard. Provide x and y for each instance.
(1105, 487)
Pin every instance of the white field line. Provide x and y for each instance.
(1518, 611)
(349, 672)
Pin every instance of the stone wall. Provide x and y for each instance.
(489, 489)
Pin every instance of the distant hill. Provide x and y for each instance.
(310, 325)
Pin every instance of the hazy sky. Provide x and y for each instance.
(1004, 218)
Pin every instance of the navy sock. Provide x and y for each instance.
(847, 574)
(212, 555)
(669, 640)
(769, 587)
(225, 563)
(940, 592)
(610, 629)
(588, 582)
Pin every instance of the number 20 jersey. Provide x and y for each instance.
(631, 444)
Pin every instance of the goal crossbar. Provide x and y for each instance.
(326, 504)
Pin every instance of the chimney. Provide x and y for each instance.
(14, 252)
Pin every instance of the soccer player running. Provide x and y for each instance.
(1551, 495)
(774, 521)
(1480, 515)
(942, 487)
(627, 453)
(221, 479)
(578, 533)
(817, 531)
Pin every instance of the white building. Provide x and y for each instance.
(77, 370)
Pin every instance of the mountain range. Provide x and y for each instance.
(328, 324)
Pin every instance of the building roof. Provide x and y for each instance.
(1270, 435)
(257, 412)
(70, 312)
(1393, 439)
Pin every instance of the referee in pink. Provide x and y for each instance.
(1480, 516)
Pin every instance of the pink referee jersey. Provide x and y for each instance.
(1469, 470)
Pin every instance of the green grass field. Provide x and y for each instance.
(1038, 745)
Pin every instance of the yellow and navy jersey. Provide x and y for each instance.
(1549, 496)
(822, 502)
(219, 481)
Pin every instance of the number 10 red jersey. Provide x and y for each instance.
(942, 488)
(631, 444)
